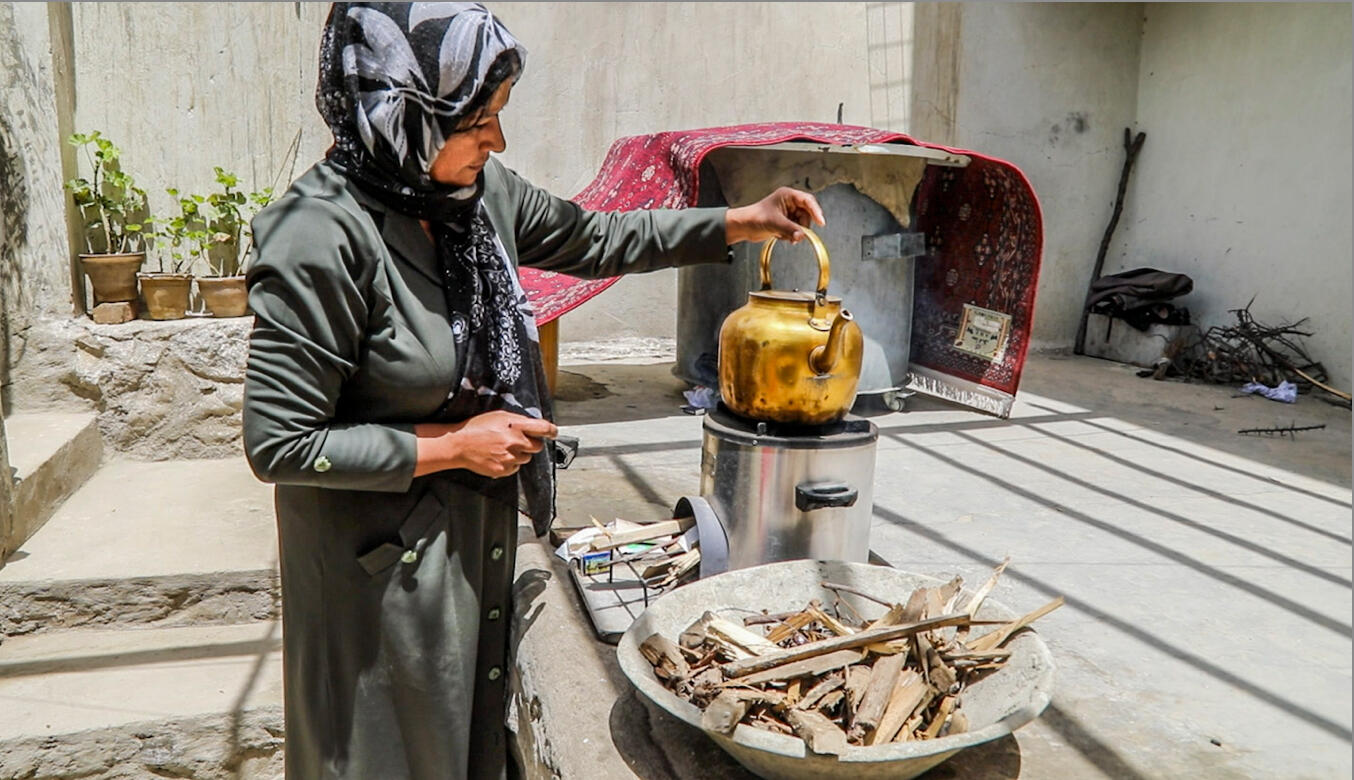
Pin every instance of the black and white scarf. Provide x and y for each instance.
(395, 81)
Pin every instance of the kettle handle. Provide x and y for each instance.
(817, 248)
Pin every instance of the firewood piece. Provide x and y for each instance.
(918, 719)
(657, 568)
(792, 692)
(757, 620)
(942, 714)
(938, 672)
(909, 730)
(820, 735)
(724, 713)
(694, 635)
(891, 618)
(725, 632)
(907, 693)
(792, 624)
(958, 723)
(857, 681)
(825, 686)
(949, 594)
(684, 564)
(855, 592)
(860, 639)
(647, 533)
(807, 667)
(666, 658)
(759, 696)
(915, 607)
(830, 623)
(830, 701)
(883, 679)
(887, 648)
(981, 594)
(994, 639)
(971, 655)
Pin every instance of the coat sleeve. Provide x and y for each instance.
(307, 288)
(554, 234)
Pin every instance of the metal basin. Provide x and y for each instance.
(997, 705)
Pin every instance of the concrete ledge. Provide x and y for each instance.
(52, 455)
(181, 702)
(174, 600)
(168, 543)
(247, 746)
(162, 390)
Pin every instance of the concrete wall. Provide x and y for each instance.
(34, 264)
(600, 71)
(183, 87)
(1050, 87)
(1244, 182)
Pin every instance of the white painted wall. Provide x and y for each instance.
(1244, 182)
(1050, 88)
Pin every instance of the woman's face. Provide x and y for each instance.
(467, 150)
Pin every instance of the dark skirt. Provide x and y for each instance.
(395, 614)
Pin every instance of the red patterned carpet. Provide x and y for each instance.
(982, 223)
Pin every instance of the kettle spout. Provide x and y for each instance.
(823, 358)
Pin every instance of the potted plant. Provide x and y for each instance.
(226, 214)
(114, 212)
(181, 238)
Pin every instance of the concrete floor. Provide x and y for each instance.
(1206, 631)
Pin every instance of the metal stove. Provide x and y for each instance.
(782, 492)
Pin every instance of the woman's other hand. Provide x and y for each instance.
(493, 444)
(778, 215)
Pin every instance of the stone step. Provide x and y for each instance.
(51, 455)
(163, 543)
(189, 702)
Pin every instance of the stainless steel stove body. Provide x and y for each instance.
(786, 492)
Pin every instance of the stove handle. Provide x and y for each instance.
(824, 495)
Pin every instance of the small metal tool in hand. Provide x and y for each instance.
(563, 449)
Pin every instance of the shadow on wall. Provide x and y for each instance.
(13, 237)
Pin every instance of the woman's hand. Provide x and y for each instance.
(778, 215)
(493, 444)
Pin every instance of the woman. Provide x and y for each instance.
(395, 394)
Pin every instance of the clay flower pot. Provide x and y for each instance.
(225, 296)
(166, 294)
(112, 276)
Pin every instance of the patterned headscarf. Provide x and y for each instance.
(396, 80)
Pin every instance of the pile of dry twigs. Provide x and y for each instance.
(1252, 351)
(833, 679)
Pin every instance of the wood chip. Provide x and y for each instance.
(942, 714)
(820, 735)
(733, 639)
(828, 684)
(665, 656)
(996, 638)
(724, 713)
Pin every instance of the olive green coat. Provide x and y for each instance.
(396, 591)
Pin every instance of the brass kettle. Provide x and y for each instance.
(790, 357)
